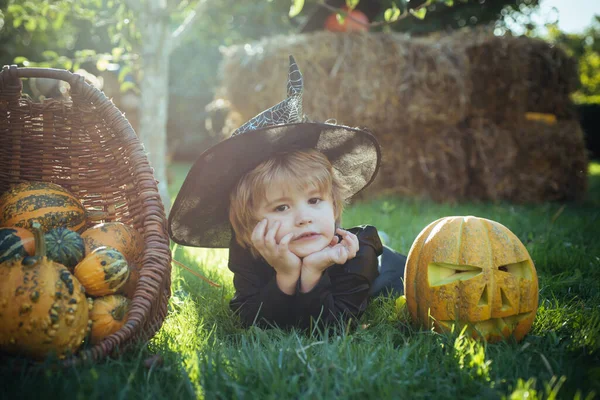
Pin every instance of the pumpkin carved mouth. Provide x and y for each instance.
(487, 327)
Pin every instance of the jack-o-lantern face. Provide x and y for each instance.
(468, 271)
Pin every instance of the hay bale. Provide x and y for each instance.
(492, 154)
(498, 71)
(426, 161)
(383, 81)
(514, 75)
(551, 162)
(552, 78)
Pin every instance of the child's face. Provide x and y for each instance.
(307, 213)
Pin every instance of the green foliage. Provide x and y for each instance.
(296, 8)
(585, 47)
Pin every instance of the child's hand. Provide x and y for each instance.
(277, 255)
(335, 253)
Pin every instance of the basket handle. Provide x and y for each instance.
(11, 86)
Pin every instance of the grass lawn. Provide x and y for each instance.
(206, 353)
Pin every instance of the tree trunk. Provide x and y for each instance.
(154, 88)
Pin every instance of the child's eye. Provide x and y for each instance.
(314, 200)
(281, 208)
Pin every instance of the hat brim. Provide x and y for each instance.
(200, 214)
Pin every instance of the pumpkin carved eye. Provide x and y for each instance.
(520, 270)
(442, 273)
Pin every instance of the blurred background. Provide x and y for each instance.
(475, 99)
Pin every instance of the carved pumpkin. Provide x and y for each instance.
(116, 235)
(103, 271)
(108, 315)
(47, 203)
(473, 272)
(65, 247)
(43, 308)
(16, 242)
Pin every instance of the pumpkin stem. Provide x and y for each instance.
(40, 242)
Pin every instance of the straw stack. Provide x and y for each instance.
(383, 81)
(425, 161)
(453, 115)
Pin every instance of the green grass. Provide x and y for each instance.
(206, 354)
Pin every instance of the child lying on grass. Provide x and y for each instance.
(274, 194)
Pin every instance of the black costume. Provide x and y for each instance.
(343, 290)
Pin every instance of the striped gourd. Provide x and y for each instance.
(103, 271)
(50, 204)
(116, 235)
(16, 242)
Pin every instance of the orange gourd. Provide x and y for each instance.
(471, 272)
(108, 315)
(104, 271)
(43, 308)
(116, 235)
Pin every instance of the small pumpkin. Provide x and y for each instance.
(108, 315)
(16, 242)
(473, 272)
(65, 247)
(104, 271)
(43, 308)
(116, 235)
(47, 203)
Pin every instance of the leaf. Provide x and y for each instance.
(123, 72)
(391, 14)
(296, 7)
(21, 60)
(341, 18)
(420, 13)
(30, 24)
(351, 4)
(50, 55)
(449, 3)
(58, 21)
(125, 86)
(117, 52)
(102, 64)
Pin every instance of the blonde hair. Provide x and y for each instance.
(301, 168)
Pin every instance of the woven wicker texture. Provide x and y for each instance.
(87, 146)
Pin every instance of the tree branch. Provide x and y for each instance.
(179, 34)
(347, 15)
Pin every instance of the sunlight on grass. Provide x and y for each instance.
(384, 356)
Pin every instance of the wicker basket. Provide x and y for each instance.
(87, 146)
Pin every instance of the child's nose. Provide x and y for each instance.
(304, 218)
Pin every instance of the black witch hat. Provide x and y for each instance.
(200, 214)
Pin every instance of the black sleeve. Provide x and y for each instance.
(257, 297)
(343, 290)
